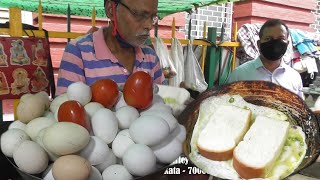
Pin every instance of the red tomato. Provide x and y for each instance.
(73, 111)
(138, 91)
(105, 92)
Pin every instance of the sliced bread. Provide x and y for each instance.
(261, 146)
(225, 129)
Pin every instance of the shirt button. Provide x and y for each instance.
(125, 70)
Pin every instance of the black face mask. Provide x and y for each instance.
(273, 49)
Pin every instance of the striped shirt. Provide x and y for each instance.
(88, 59)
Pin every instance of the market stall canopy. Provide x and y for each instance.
(84, 7)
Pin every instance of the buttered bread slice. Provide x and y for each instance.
(225, 129)
(261, 146)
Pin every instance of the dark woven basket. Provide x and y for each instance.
(267, 94)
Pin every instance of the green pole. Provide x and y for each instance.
(220, 55)
(212, 58)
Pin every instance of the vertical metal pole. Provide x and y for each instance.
(1, 111)
(69, 20)
(40, 20)
(189, 28)
(156, 29)
(212, 58)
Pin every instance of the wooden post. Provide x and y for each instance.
(173, 28)
(234, 58)
(15, 22)
(204, 48)
(93, 19)
(15, 31)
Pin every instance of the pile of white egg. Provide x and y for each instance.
(123, 143)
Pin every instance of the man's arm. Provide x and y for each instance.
(71, 68)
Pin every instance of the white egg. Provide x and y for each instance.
(116, 172)
(149, 130)
(139, 159)
(168, 150)
(126, 115)
(47, 174)
(36, 125)
(80, 92)
(111, 160)
(121, 102)
(105, 125)
(121, 143)
(25, 96)
(57, 101)
(30, 157)
(17, 125)
(64, 138)
(29, 109)
(11, 140)
(170, 119)
(56, 116)
(92, 107)
(95, 174)
(45, 98)
(49, 114)
(96, 152)
(157, 99)
(159, 107)
(180, 133)
(39, 139)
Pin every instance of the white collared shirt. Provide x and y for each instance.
(284, 75)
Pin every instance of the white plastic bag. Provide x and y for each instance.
(178, 62)
(167, 66)
(194, 78)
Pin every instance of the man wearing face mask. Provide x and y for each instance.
(116, 51)
(269, 66)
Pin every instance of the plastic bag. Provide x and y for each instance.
(178, 62)
(167, 66)
(194, 78)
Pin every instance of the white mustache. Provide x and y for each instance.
(143, 34)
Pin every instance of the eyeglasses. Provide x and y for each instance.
(139, 16)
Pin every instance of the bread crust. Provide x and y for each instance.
(245, 171)
(215, 156)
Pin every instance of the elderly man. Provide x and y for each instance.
(269, 66)
(116, 51)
